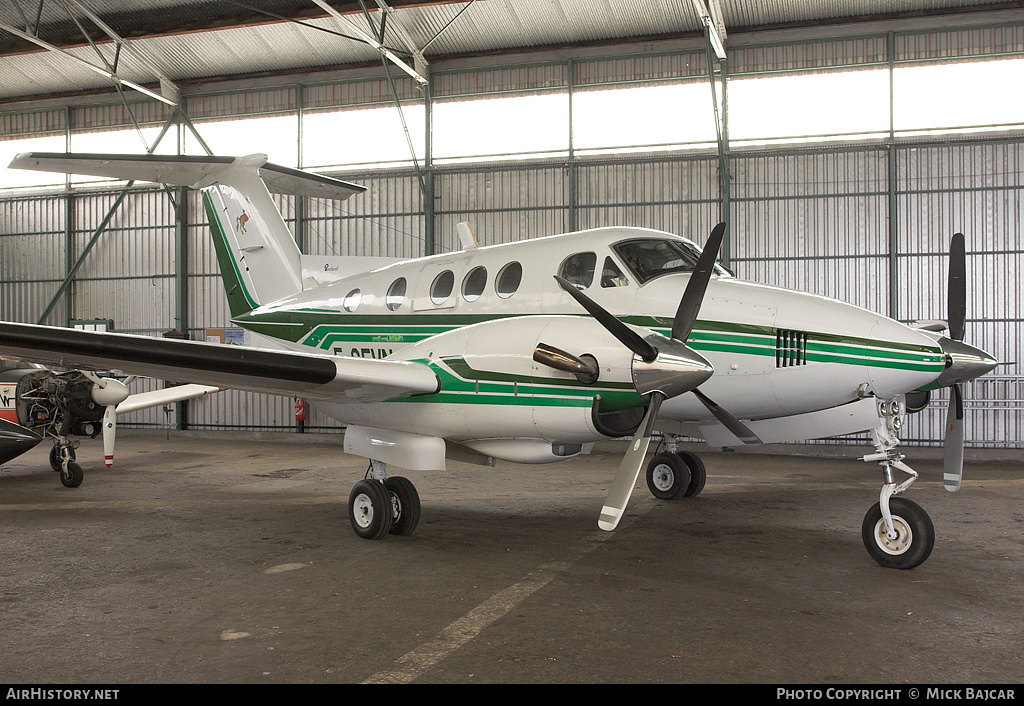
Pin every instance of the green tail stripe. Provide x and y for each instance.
(239, 299)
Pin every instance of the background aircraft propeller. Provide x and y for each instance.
(108, 393)
(667, 367)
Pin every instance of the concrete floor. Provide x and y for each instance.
(229, 559)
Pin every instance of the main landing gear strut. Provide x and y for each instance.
(380, 504)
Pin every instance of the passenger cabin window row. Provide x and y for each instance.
(645, 259)
(473, 285)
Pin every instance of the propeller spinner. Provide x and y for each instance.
(662, 368)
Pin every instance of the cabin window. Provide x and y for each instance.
(578, 269)
(474, 283)
(508, 280)
(396, 294)
(441, 289)
(351, 302)
(611, 275)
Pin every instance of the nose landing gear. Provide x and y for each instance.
(897, 533)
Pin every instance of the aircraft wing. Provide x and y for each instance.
(166, 395)
(309, 375)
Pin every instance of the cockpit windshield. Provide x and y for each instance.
(648, 258)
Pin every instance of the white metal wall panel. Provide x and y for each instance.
(501, 205)
(975, 189)
(814, 222)
(977, 41)
(384, 221)
(507, 79)
(128, 275)
(678, 196)
(32, 257)
(32, 123)
(808, 56)
(634, 69)
(358, 93)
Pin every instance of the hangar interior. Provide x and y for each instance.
(844, 143)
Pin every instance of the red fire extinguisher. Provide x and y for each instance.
(300, 414)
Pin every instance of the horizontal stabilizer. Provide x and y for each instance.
(187, 170)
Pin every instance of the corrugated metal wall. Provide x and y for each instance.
(810, 217)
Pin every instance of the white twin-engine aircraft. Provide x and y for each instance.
(488, 353)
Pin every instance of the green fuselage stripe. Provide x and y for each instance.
(712, 336)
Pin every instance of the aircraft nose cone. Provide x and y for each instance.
(15, 440)
(963, 362)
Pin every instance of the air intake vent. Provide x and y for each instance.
(790, 348)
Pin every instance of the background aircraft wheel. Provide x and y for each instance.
(71, 477)
(668, 476)
(915, 535)
(370, 509)
(698, 474)
(55, 459)
(405, 503)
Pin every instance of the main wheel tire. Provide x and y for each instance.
(405, 504)
(369, 509)
(698, 474)
(668, 476)
(915, 535)
(72, 475)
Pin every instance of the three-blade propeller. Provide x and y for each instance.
(663, 368)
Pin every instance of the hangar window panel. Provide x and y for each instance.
(809, 106)
(508, 126)
(362, 136)
(662, 115)
(944, 97)
(277, 136)
(27, 178)
(121, 141)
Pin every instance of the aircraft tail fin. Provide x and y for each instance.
(259, 259)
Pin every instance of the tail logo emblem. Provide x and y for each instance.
(241, 221)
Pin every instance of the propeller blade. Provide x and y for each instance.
(956, 287)
(625, 335)
(689, 305)
(109, 430)
(629, 468)
(953, 444)
(738, 428)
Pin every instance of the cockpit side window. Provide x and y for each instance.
(611, 275)
(578, 269)
(649, 258)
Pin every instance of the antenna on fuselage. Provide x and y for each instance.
(466, 235)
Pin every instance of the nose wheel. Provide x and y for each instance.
(910, 541)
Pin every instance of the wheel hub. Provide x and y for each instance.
(362, 510)
(663, 477)
(898, 544)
